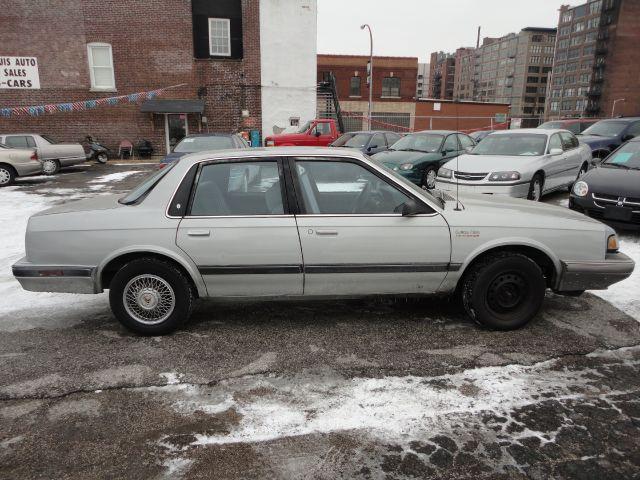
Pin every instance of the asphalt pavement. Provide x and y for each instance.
(393, 388)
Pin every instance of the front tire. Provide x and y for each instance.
(429, 178)
(503, 291)
(7, 175)
(102, 158)
(50, 167)
(151, 297)
(535, 188)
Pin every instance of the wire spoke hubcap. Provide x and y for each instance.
(149, 299)
(431, 178)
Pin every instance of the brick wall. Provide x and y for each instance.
(152, 47)
(483, 111)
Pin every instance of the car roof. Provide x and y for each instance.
(621, 119)
(372, 132)
(539, 131)
(439, 132)
(211, 134)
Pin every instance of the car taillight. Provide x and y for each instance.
(34, 156)
(161, 166)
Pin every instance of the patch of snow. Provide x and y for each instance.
(176, 467)
(171, 378)
(115, 177)
(626, 295)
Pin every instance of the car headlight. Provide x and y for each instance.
(406, 166)
(270, 143)
(504, 176)
(580, 189)
(612, 244)
(444, 173)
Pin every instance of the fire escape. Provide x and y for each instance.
(328, 104)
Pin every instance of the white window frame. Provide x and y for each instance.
(227, 22)
(94, 87)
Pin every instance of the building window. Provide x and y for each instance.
(578, 27)
(566, 17)
(354, 91)
(547, 60)
(564, 31)
(595, 7)
(554, 106)
(220, 37)
(535, 59)
(572, 67)
(391, 87)
(593, 23)
(574, 53)
(536, 49)
(577, 40)
(533, 80)
(101, 66)
(585, 78)
(537, 38)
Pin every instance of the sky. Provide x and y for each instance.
(415, 28)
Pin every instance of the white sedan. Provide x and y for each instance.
(526, 163)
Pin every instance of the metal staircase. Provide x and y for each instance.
(328, 105)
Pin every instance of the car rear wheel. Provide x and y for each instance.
(429, 178)
(503, 291)
(535, 188)
(151, 296)
(102, 158)
(50, 167)
(7, 175)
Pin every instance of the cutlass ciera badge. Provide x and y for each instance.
(467, 233)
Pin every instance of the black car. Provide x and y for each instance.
(202, 142)
(611, 192)
(606, 135)
(368, 142)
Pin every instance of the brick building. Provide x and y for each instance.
(441, 75)
(597, 60)
(227, 56)
(432, 114)
(394, 89)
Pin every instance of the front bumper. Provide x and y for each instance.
(600, 275)
(55, 278)
(587, 206)
(519, 190)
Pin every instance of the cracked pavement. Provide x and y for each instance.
(346, 389)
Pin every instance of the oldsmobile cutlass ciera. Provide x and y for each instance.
(308, 222)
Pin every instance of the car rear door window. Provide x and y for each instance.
(238, 189)
(634, 130)
(20, 141)
(465, 141)
(339, 188)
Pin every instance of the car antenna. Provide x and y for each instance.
(457, 209)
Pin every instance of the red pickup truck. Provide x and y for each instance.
(315, 133)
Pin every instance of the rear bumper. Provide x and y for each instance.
(520, 190)
(67, 162)
(600, 275)
(55, 278)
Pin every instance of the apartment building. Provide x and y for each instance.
(422, 84)
(597, 60)
(441, 75)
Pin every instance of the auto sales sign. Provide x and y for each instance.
(19, 73)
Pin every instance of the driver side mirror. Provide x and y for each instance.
(555, 151)
(411, 207)
(372, 147)
(318, 133)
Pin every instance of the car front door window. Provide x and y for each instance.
(555, 143)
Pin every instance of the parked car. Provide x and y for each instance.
(611, 192)
(368, 142)
(300, 230)
(574, 125)
(606, 135)
(525, 163)
(17, 162)
(203, 142)
(315, 133)
(479, 136)
(53, 155)
(418, 156)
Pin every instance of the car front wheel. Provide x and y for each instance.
(151, 296)
(429, 178)
(535, 188)
(503, 291)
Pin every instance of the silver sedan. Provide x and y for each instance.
(527, 163)
(310, 223)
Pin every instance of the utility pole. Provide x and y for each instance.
(613, 109)
(370, 73)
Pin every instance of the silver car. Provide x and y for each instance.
(526, 163)
(17, 162)
(52, 154)
(310, 223)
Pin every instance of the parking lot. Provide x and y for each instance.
(346, 389)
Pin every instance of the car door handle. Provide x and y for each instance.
(199, 233)
(327, 233)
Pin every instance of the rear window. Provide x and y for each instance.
(142, 190)
(202, 144)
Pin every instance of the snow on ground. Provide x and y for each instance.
(115, 177)
(392, 408)
(21, 309)
(626, 295)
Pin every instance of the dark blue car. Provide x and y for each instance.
(202, 142)
(368, 142)
(606, 135)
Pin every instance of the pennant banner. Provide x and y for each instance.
(36, 110)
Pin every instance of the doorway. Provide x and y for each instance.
(176, 128)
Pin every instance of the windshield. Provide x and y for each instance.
(305, 128)
(517, 144)
(48, 139)
(201, 144)
(422, 142)
(627, 156)
(146, 186)
(606, 129)
(354, 140)
(551, 125)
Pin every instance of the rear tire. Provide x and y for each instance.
(503, 291)
(102, 158)
(7, 175)
(151, 297)
(535, 188)
(50, 167)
